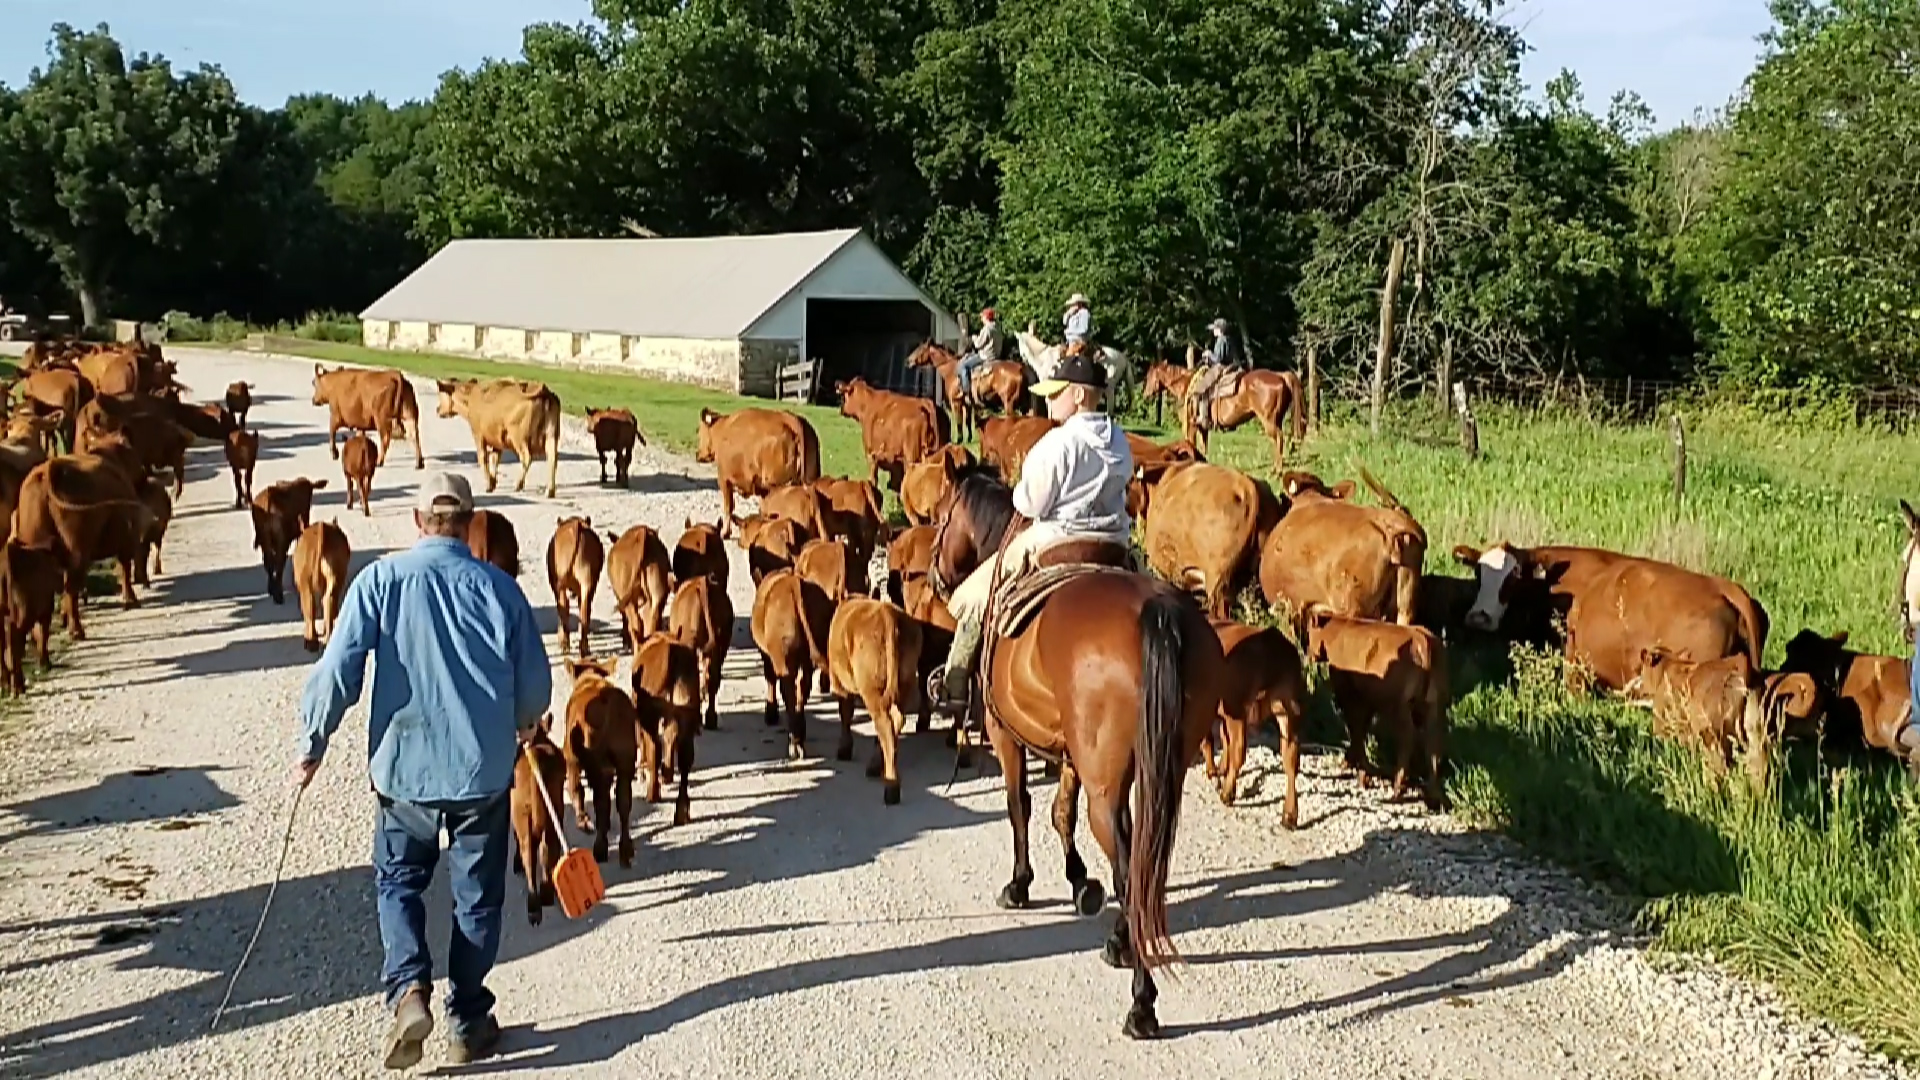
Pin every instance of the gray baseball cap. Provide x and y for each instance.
(444, 493)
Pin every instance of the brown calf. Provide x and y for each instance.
(791, 618)
(574, 559)
(804, 503)
(1395, 673)
(1206, 530)
(365, 400)
(491, 538)
(1354, 560)
(829, 565)
(637, 567)
(243, 452)
(239, 400)
(358, 458)
(772, 543)
(1262, 678)
(507, 414)
(700, 553)
(896, 430)
(910, 555)
(1716, 705)
(755, 451)
(701, 617)
(320, 577)
(1867, 696)
(1005, 440)
(535, 833)
(614, 432)
(873, 653)
(29, 591)
(855, 513)
(602, 748)
(666, 691)
(280, 515)
(154, 495)
(927, 482)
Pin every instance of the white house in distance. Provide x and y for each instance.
(724, 312)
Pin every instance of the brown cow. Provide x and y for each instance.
(358, 459)
(702, 618)
(855, 512)
(1613, 605)
(239, 401)
(1717, 705)
(791, 618)
(700, 553)
(804, 503)
(1005, 441)
(909, 555)
(491, 538)
(113, 373)
(154, 495)
(211, 422)
(1207, 530)
(368, 400)
(602, 748)
(1263, 678)
(927, 482)
(614, 432)
(1356, 560)
(29, 591)
(243, 452)
(535, 833)
(574, 559)
(507, 414)
(896, 430)
(149, 426)
(873, 653)
(755, 451)
(666, 691)
(771, 543)
(85, 508)
(1147, 452)
(320, 561)
(58, 392)
(1395, 673)
(830, 565)
(637, 568)
(280, 515)
(1867, 696)
(26, 428)
(936, 638)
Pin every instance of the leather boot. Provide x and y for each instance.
(948, 683)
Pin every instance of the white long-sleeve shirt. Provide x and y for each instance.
(1075, 479)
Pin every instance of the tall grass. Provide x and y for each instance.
(1813, 884)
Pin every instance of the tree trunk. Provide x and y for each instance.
(89, 305)
(1446, 370)
(1383, 355)
(1313, 388)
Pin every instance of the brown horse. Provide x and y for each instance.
(1002, 383)
(1116, 677)
(1266, 396)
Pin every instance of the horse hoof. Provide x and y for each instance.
(1141, 1023)
(772, 717)
(1116, 955)
(1089, 898)
(845, 753)
(890, 795)
(1013, 897)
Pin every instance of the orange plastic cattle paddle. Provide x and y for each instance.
(576, 877)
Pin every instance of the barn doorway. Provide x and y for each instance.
(871, 339)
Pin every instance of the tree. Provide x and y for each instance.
(101, 156)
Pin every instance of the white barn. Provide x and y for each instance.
(725, 312)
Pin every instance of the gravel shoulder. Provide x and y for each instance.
(797, 927)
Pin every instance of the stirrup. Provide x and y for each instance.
(939, 693)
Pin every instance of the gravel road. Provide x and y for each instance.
(797, 928)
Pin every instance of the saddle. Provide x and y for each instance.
(1225, 386)
(1017, 601)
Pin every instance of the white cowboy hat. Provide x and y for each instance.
(1076, 298)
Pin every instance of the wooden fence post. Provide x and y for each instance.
(1313, 388)
(1469, 427)
(1677, 431)
(1383, 353)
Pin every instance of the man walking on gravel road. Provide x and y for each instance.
(460, 679)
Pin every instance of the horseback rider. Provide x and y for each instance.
(986, 349)
(1073, 486)
(1077, 323)
(1222, 356)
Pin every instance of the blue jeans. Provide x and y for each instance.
(406, 845)
(968, 364)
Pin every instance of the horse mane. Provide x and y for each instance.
(988, 503)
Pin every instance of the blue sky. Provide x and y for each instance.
(1679, 54)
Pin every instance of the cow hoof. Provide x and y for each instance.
(682, 815)
(773, 716)
(1089, 898)
(311, 645)
(626, 857)
(890, 795)
(845, 753)
(712, 722)
(873, 767)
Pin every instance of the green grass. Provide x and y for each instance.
(1813, 884)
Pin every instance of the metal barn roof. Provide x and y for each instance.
(692, 287)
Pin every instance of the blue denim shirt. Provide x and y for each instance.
(459, 667)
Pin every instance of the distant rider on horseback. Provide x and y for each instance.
(986, 350)
(1073, 486)
(1223, 355)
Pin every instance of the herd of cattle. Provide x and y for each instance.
(1346, 577)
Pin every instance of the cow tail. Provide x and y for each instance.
(815, 643)
(552, 425)
(809, 453)
(1160, 770)
(1753, 626)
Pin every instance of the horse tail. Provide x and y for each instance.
(1160, 769)
(1298, 403)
